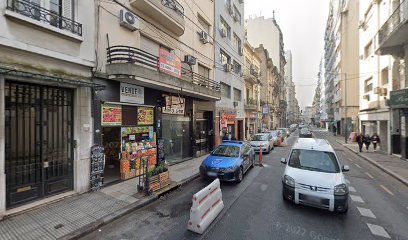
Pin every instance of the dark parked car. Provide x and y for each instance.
(305, 133)
(229, 161)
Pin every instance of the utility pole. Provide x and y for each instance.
(345, 107)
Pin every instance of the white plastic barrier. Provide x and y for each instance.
(207, 204)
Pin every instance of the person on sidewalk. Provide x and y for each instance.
(334, 130)
(367, 141)
(375, 139)
(360, 141)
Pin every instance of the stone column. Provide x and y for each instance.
(2, 151)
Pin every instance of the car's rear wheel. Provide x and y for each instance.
(240, 175)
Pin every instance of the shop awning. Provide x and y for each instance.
(62, 80)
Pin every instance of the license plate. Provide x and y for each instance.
(313, 199)
(212, 174)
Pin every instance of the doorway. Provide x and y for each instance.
(111, 137)
(177, 138)
(38, 142)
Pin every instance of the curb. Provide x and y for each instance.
(110, 218)
(391, 173)
(87, 229)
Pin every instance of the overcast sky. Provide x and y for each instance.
(302, 23)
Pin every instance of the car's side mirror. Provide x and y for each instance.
(345, 168)
(283, 160)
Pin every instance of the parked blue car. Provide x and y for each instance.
(229, 161)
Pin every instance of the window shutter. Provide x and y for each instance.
(67, 8)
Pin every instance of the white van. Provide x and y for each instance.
(313, 176)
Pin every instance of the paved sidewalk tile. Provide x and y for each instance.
(69, 215)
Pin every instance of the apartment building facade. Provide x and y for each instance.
(157, 59)
(252, 73)
(392, 90)
(47, 56)
(342, 65)
(290, 90)
(267, 32)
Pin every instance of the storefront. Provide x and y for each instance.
(399, 134)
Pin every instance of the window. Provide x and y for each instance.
(204, 24)
(314, 161)
(225, 90)
(224, 58)
(237, 95)
(384, 76)
(237, 67)
(224, 26)
(237, 15)
(368, 50)
(237, 42)
(368, 85)
(203, 71)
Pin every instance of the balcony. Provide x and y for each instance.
(168, 13)
(251, 76)
(136, 66)
(35, 13)
(250, 104)
(394, 33)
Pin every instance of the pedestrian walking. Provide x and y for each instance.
(375, 139)
(334, 130)
(360, 141)
(367, 141)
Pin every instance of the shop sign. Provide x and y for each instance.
(111, 115)
(227, 119)
(145, 116)
(266, 109)
(169, 63)
(131, 93)
(399, 98)
(174, 105)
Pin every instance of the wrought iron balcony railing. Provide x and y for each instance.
(127, 54)
(36, 12)
(176, 6)
(397, 18)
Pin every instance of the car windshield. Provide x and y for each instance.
(262, 137)
(314, 161)
(226, 151)
(304, 130)
(274, 134)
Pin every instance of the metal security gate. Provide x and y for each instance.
(39, 133)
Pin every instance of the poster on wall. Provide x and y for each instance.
(131, 93)
(145, 116)
(169, 63)
(174, 105)
(111, 115)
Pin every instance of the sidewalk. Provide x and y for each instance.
(74, 216)
(390, 164)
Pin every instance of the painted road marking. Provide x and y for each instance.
(378, 230)
(352, 189)
(347, 181)
(369, 175)
(387, 190)
(357, 199)
(264, 187)
(366, 212)
(357, 165)
(350, 159)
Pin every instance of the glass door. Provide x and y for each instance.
(177, 138)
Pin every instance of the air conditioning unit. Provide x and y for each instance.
(228, 67)
(204, 37)
(190, 60)
(377, 90)
(223, 32)
(129, 20)
(235, 104)
(366, 97)
(241, 51)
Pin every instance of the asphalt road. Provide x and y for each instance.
(254, 209)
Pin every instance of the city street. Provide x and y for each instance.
(254, 209)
